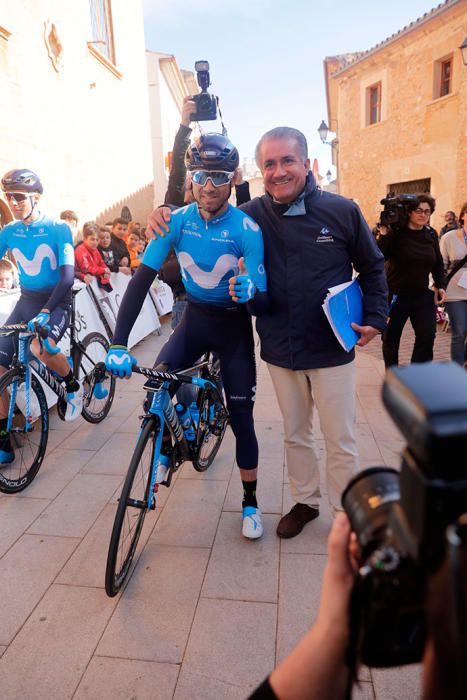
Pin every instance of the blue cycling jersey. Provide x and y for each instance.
(208, 252)
(40, 249)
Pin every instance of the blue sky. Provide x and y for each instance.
(266, 56)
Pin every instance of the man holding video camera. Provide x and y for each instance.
(411, 249)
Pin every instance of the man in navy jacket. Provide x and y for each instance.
(312, 241)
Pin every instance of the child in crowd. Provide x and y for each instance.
(141, 247)
(71, 218)
(88, 261)
(106, 249)
(119, 230)
(8, 275)
(132, 242)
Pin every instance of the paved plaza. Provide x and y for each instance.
(206, 614)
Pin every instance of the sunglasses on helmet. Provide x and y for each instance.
(17, 197)
(217, 177)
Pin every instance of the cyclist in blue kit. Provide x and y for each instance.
(214, 243)
(43, 250)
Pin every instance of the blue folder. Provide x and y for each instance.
(343, 306)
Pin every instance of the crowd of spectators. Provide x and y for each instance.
(117, 246)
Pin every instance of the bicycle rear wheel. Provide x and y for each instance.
(212, 424)
(131, 510)
(28, 445)
(89, 366)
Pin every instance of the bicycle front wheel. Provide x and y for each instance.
(135, 500)
(212, 424)
(23, 450)
(98, 386)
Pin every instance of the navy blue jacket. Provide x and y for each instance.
(304, 256)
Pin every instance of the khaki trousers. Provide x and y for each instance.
(332, 390)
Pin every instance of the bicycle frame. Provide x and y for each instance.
(163, 408)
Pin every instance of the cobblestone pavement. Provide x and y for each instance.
(206, 614)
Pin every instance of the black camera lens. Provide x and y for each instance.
(367, 500)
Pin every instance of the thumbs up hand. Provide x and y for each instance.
(241, 287)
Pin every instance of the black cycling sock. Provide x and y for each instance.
(71, 382)
(249, 493)
(3, 424)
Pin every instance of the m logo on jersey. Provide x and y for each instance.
(249, 223)
(33, 267)
(208, 279)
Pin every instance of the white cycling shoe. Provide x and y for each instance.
(74, 404)
(252, 527)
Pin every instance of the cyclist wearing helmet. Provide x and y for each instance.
(213, 242)
(43, 249)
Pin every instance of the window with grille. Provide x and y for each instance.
(373, 97)
(101, 26)
(411, 187)
(443, 78)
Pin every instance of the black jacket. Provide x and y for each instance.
(304, 256)
(411, 256)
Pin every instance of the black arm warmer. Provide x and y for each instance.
(260, 304)
(61, 289)
(176, 188)
(132, 302)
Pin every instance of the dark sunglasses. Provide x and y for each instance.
(217, 177)
(17, 197)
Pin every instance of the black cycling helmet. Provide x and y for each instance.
(21, 180)
(212, 152)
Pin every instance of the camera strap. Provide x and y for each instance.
(455, 268)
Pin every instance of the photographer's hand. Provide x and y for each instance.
(316, 668)
(157, 223)
(367, 333)
(189, 108)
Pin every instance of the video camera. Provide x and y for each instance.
(402, 520)
(206, 104)
(395, 212)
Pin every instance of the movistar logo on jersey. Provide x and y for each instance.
(208, 279)
(33, 267)
(249, 223)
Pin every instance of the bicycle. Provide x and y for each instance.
(28, 417)
(163, 445)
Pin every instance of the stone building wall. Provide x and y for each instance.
(418, 136)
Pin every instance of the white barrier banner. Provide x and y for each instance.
(162, 296)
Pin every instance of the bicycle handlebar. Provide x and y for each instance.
(41, 331)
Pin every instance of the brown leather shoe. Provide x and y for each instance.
(293, 523)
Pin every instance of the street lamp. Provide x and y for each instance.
(323, 131)
(463, 48)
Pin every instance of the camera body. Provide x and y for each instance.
(401, 519)
(395, 212)
(206, 104)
